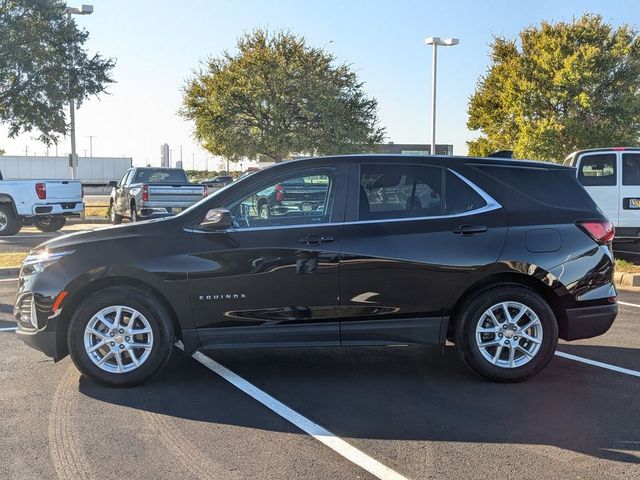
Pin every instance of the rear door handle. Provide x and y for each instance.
(316, 239)
(469, 229)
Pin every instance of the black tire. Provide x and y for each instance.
(10, 224)
(263, 211)
(134, 213)
(51, 223)
(115, 218)
(472, 313)
(143, 302)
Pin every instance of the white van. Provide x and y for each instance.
(612, 178)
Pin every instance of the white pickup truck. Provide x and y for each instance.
(612, 178)
(42, 203)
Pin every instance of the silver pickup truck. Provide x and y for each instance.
(144, 193)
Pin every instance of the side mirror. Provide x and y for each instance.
(113, 183)
(217, 219)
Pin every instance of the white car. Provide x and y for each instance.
(612, 178)
(43, 203)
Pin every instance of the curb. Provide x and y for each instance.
(9, 272)
(98, 220)
(622, 279)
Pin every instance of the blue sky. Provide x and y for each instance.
(158, 43)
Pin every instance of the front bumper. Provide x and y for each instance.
(588, 322)
(44, 341)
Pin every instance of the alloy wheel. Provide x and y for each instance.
(509, 334)
(118, 339)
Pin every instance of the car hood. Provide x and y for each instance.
(102, 234)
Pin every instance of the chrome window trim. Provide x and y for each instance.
(491, 204)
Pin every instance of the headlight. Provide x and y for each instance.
(39, 260)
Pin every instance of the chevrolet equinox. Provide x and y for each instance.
(501, 257)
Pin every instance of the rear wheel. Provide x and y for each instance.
(50, 223)
(120, 336)
(10, 224)
(507, 333)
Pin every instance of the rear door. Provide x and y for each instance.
(416, 233)
(629, 200)
(598, 174)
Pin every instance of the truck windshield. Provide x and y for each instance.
(160, 175)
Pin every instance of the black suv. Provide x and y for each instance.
(501, 257)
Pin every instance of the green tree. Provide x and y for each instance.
(278, 97)
(564, 86)
(38, 47)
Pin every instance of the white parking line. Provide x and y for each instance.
(627, 304)
(8, 329)
(9, 279)
(595, 363)
(321, 434)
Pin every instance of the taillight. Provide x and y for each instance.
(41, 190)
(279, 193)
(602, 231)
(145, 193)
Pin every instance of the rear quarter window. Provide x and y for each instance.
(552, 187)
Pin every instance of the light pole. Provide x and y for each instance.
(436, 42)
(83, 10)
(91, 137)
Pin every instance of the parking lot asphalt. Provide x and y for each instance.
(417, 411)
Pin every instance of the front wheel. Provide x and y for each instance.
(134, 213)
(115, 218)
(120, 336)
(50, 223)
(264, 211)
(507, 333)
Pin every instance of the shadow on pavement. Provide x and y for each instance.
(403, 394)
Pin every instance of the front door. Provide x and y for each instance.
(418, 233)
(272, 279)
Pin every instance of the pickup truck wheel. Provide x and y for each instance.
(120, 336)
(507, 333)
(263, 213)
(50, 223)
(115, 218)
(10, 224)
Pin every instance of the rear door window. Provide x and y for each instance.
(408, 191)
(631, 169)
(598, 170)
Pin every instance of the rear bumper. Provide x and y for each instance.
(588, 322)
(63, 208)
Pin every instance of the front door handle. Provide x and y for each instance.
(469, 229)
(316, 239)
